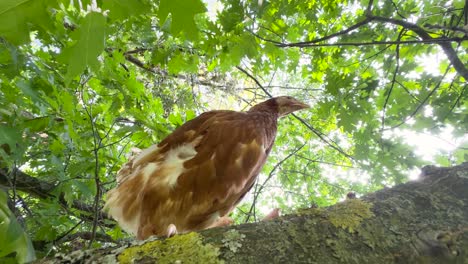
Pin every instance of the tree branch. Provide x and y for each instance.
(444, 42)
(446, 46)
(27, 184)
(455, 29)
(422, 221)
(339, 33)
(372, 43)
(44, 190)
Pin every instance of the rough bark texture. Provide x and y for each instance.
(423, 221)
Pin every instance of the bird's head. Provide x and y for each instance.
(288, 104)
(281, 105)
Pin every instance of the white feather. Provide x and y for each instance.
(146, 152)
(174, 162)
(173, 167)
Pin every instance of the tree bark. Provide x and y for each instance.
(424, 221)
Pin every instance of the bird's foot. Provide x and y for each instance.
(171, 230)
(223, 221)
(275, 213)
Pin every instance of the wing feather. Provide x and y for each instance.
(230, 149)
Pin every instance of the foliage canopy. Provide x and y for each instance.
(82, 82)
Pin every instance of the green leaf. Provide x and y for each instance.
(123, 9)
(12, 237)
(84, 189)
(180, 63)
(18, 17)
(232, 16)
(90, 44)
(10, 136)
(28, 90)
(37, 124)
(461, 153)
(160, 56)
(176, 119)
(249, 45)
(183, 12)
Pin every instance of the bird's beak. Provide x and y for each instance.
(293, 107)
(299, 105)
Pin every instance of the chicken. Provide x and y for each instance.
(197, 175)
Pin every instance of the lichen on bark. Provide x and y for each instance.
(185, 248)
(349, 214)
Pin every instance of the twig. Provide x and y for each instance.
(373, 43)
(455, 29)
(97, 139)
(398, 10)
(270, 175)
(255, 80)
(457, 101)
(89, 236)
(68, 232)
(423, 102)
(322, 136)
(325, 162)
(407, 91)
(397, 67)
(369, 8)
(139, 50)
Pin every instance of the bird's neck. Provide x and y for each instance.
(266, 107)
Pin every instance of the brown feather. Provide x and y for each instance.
(197, 174)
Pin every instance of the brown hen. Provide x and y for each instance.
(199, 173)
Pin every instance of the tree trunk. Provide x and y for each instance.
(424, 221)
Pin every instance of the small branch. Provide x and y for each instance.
(397, 67)
(139, 50)
(373, 43)
(270, 175)
(398, 10)
(140, 64)
(446, 45)
(68, 232)
(97, 139)
(322, 136)
(255, 80)
(455, 29)
(164, 73)
(44, 190)
(369, 8)
(407, 91)
(444, 42)
(28, 184)
(339, 33)
(88, 236)
(424, 101)
(457, 101)
(325, 162)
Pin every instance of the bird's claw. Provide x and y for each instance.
(171, 230)
(275, 213)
